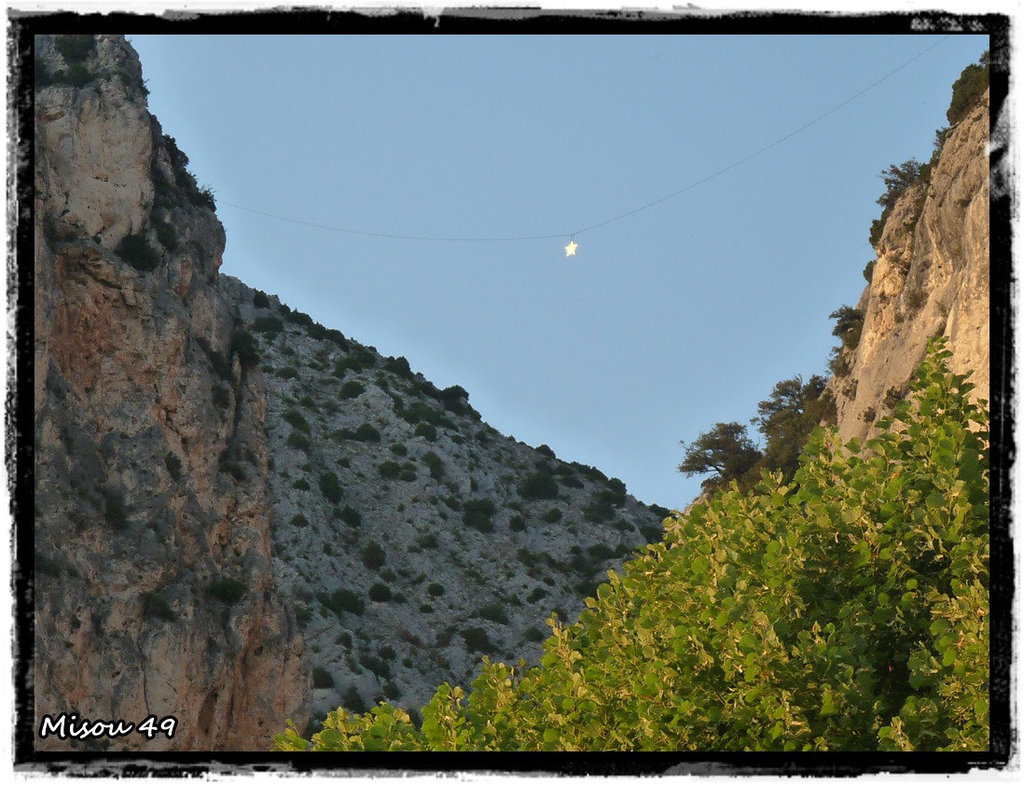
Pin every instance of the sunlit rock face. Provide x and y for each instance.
(154, 590)
(931, 278)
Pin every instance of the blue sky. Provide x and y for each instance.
(665, 322)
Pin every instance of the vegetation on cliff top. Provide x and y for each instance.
(971, 85)
(785, 420)
(846, 610)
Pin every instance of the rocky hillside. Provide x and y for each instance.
(154, 585)
(241, 513)
(931, 277)
(411, 537)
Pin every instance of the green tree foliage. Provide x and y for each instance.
(968, 89)
(844, 611)
(267, 324)
(244, 345)
(786, 420)
(725, 450)
(539, 485)
(137, 252)
(330, 487)
(897, 178)
(849, 323)
(74, 48)
(226, 590)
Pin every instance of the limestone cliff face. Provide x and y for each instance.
(931, 278)
(155, 592)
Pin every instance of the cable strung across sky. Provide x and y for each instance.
(570, 249)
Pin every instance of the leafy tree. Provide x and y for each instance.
(725, 450)
(845, 611)
(849, 323)
(968, 89)
(897, 179)
(539, 485)
(330, 487)
(785, 420)
(137, 252)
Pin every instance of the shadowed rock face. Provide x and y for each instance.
(154, 586)
(165, 456)
(931, 278)
(411, 537)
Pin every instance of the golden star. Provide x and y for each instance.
(570, 250)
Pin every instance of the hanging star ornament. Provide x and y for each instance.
(570, 250)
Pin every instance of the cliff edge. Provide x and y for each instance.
(930, 278)
(154, 586)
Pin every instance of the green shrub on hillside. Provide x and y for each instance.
(434, 464)
(296, 420)
(137, 252)
(342, 600)
(839, 363)
(269, 324)
(173, 464)
(166, 234)
(373, 555)
(539, 485)
(330, 487)
(426, 430)
(419, 413)
(380, 592)
(968, 89)
(243, 345)
(389, 469)
(74, 48)
(155, 606)
(400, 366)
(357, 360)
(351, 389)
(477, 513)
(493, 611)
(226, 590)
(847, 611)
(849, 323)
(476, 639)
(366, 433)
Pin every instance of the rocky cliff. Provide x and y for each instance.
(411, 537)
(154, 585)
(241, 513)
(930, 278)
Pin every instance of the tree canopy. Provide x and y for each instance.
(725, 450)
(846, 610)
(786, 420)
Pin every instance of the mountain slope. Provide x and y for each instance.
(411, 536)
